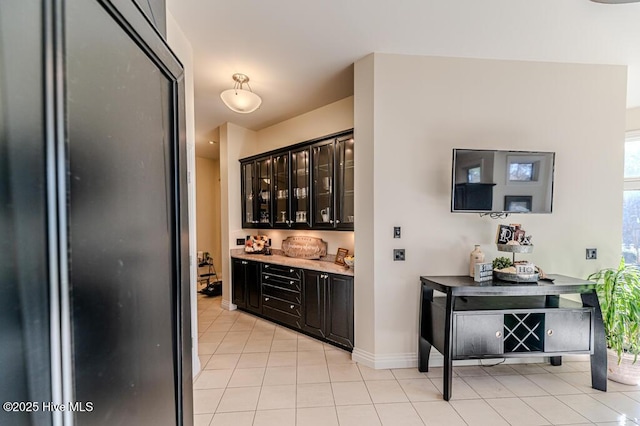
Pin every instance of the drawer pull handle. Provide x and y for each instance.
(266, 277)
(244, 262)
(292, 306)
(498, 334)
(550, 332)
(291, 282)
(291, 271)
(266, 299)
(266, 266)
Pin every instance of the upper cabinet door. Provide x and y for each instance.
(345, 182)
(323, 180)
(300, 193)
(264, 191)
(281, 214)
(249, 199)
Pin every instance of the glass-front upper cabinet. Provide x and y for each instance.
(249, 213)
(281, 214)
(305, 186)
(300, 196)
(323, 176)
(264, 191)
(344, 185)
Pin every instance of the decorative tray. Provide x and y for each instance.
(515, 248)
(516, 278)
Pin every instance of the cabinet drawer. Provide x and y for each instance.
(478, 334)
(568, 331)
(280, 293)
(282, 305)
(282, 317)
(292, 284)
(282, 271)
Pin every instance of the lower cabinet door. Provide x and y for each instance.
(339, 310)
(568, 331)
(477, 334)
(238, 283)
(253, 287)
(313, 302)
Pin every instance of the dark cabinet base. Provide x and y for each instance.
(315, 303)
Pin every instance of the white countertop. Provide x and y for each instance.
(277, 259)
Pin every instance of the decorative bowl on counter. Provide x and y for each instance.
(350, 261)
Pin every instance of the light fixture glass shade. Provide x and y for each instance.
(240, 100)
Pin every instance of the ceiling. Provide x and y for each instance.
(299, 55)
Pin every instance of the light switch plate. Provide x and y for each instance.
(398, 255)
(396, 232)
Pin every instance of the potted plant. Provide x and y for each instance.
(619, 296)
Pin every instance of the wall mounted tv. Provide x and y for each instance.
(488, 181)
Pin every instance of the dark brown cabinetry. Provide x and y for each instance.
(257, 193)
(281, 299)
(306, 186)
(247, 291)
(317, 303)
(328, 307)
(345, 188)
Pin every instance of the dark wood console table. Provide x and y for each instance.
(497, 319)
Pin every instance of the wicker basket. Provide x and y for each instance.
(626, 372)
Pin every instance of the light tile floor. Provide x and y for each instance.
(257, 373)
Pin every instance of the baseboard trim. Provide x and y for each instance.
(401, 360)
(410, 360)
(228, 305)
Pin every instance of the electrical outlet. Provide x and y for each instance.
(398, 254)
(239, 241)
(396, 232)
(592, 253)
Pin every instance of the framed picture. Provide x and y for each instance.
(517, 203)
(342, 252)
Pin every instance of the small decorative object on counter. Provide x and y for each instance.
(513, 239)
(483, 272)
(342, 252)
(256, 244)
(304, 247)
(476, 256)
(350, 261)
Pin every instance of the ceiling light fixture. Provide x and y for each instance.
(239, 99)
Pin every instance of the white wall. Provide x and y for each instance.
(633, 119)
(235, 142)
(208, 209)
(182, 48)
(471, 103)
(332, 118)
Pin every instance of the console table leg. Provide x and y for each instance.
(424, 349)
(555, 360)
(447, 380)
(424, 346)
(599, 357)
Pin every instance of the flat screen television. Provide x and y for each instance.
(500, 181)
